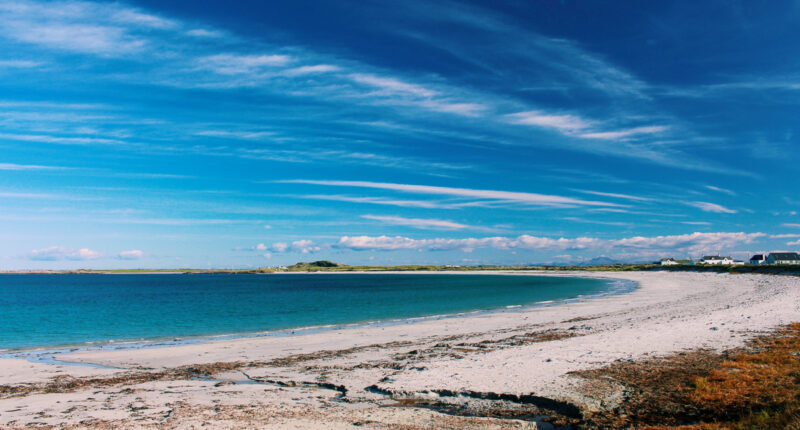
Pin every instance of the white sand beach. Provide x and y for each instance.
(355, 376)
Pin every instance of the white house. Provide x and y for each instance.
(758, 259)
(783, 258)
(669, 262)
(716, 259)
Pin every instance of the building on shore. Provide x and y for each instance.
(783, 258)
(758, 259)
(716, 259)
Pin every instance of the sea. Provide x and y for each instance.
(40, 310)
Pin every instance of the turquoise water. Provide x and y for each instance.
(49, 310)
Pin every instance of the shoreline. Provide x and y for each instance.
(615, 287)
(381, 377)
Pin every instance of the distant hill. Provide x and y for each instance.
(313, 265)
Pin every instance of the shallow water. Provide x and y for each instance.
(48, 310)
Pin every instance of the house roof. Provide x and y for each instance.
(715, 257)
(785, 256)
(757, 257)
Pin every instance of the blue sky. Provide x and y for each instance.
(243, 134)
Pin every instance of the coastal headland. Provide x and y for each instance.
(582, 363)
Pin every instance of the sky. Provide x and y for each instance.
(205, 134)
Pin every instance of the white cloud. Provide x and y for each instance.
(301, 246)
(307, 70)
(687, 243)
(695, 242)
(55, 253)
(465, 109)
(620, 134)
(417, 222)
(509, 196)
(721, 190)
(15, 195)
(616, 195)
(393, 86)
(233, 64)
(94, 28)
(385, 201)
(133, 254)
(304, 246)
(711, 207)
(131, 16)
(562, 123)
(19, 64)
(267, 255)
(395, 91)
(386, 243)
(12, 166)
(201, 32)
(245, 135)
(61, 140)
(789, 224)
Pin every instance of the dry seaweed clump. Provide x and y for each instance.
(757, 387)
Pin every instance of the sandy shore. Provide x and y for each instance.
(371, 377)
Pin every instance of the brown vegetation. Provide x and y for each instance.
(757, 387)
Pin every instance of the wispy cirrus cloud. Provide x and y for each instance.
(427, 204)
(721, 190)
(78, 26)
(118, 30)
(19, 64)
(616, 195)
(422, 223)
(711, 207)
(231, 64)
(12, 166)
(351, 157)
(313, 69)
(24, 195)
(393, 86)
(621, 134)
(508, 196)
(60, 140)
(568, 124)
(236, 134)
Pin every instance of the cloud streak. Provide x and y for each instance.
(509, 196)
(418, 222)
(711, 207)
